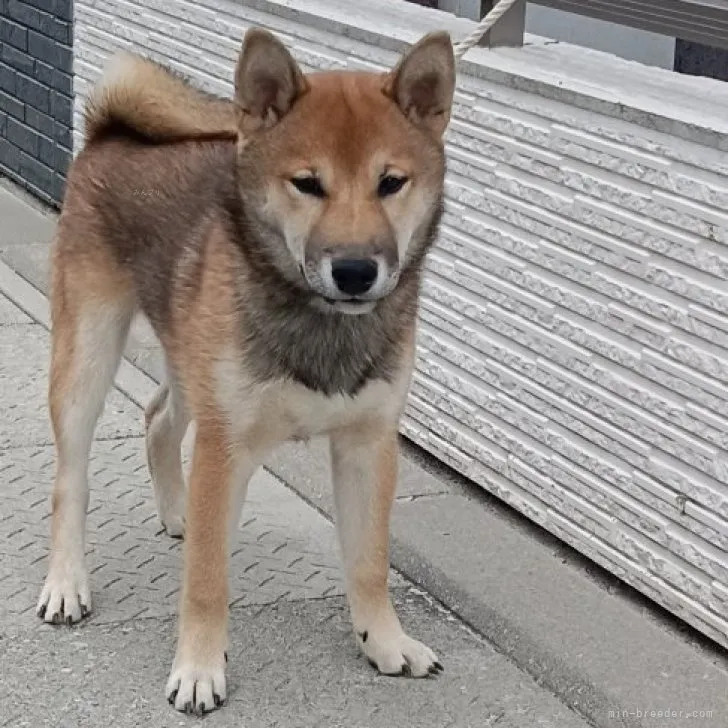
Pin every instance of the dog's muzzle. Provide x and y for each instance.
(350, 285)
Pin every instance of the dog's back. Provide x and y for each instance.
(156, 169)
(134, 209)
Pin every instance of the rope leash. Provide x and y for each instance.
(471, 40)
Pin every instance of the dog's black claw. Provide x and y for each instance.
(226, 657)
(172, 696)
(56, 618)
(189, 708)
(364, 636)
(218, 700)
(372, 663)
(42, 611)
(438, 666)
(69, 620)
(406, 670)
(84, 610)
(201, 709)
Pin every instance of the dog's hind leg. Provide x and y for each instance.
(91, 309)
(167, 421)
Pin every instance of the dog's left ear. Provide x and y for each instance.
(423, 83)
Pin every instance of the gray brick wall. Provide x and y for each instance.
(36, 94)
(573, 347)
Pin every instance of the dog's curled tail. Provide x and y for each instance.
(139, 97)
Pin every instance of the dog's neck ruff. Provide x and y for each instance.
(285, 337)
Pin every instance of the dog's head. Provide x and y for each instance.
(342, 173)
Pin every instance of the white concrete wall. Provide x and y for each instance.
(573, 351)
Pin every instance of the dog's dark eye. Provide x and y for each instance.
(390, 185)
(309, 186)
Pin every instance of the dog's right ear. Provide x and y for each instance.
(267, 80)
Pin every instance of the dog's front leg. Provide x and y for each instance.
(218, 482)
(364, 464)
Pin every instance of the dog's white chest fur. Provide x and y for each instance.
(277, 411)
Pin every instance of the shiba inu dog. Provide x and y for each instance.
(276, 244)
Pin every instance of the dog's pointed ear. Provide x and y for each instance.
(423, 82)
(267, 80)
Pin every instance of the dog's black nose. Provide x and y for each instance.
(354, 276)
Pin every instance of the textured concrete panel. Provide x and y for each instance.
(285, 550)
(293, 660)
(573, 353)
(292, 664)
(10, 314)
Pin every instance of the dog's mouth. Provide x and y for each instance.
(350, 306)
(333, 301)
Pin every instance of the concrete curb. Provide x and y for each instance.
(608, 654)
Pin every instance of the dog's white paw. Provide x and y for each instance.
(398, 654)
(173, 521)
(197, 688)
(66, 596)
